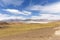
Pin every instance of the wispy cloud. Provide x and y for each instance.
(47, 16)
(11, 2)
(47, 11)
(51, 8)
(14, 11)
(27, 12)
(5, 16)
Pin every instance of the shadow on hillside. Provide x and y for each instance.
(4, 25)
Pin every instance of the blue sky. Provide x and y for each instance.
(33, 9)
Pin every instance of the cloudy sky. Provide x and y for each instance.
(34, 9)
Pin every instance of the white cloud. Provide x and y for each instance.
(5, 16)
(47, 16)
(51, 8)
(14, 11)
(47, 11)
(27, 12)
(16, 17)
(12, 2)
(35, 7)
(50, 16)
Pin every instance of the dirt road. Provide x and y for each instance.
(37, 34)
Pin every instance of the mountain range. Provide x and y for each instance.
(27, 20)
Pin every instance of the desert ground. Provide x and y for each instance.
(30, 32)
(37, 34)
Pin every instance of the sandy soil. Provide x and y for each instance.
(37, 34)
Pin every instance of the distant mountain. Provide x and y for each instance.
(27, 20)
(12, 20)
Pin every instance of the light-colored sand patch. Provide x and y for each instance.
(57, 33)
